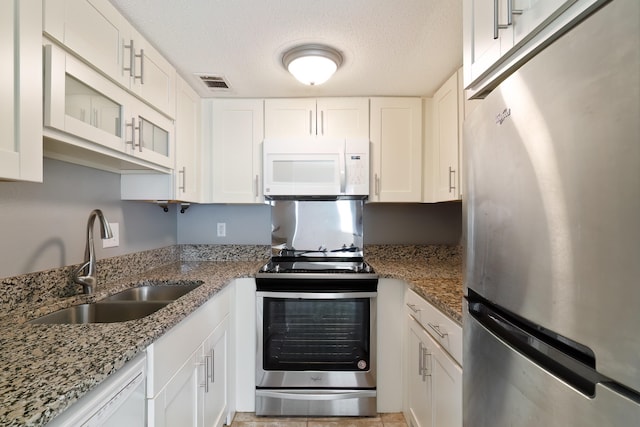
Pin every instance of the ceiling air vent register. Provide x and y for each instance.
(214, 82)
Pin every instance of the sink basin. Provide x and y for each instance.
(153, 293)
(102, 312)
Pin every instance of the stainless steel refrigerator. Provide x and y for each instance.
(552, 235)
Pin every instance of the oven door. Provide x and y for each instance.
(316, 340)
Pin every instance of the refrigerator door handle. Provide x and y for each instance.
(553, 355)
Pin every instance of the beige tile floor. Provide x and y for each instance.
(245, 419)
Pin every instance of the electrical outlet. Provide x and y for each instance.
(222, 229)
(115, 240)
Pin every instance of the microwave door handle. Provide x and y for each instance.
(343, 169)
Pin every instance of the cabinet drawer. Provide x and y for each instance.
(169, 352)
(443, 329)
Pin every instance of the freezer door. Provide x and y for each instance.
(502, 387)
(552, 212)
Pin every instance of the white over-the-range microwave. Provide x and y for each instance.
(316, 168)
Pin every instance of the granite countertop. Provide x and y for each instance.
(433, 272)
(46, 368)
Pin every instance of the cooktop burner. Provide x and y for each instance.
(301, 267)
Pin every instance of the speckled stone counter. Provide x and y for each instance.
(45, 368)
(433, 272)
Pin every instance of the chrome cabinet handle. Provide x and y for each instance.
(510, 12)
(376, 184)
(310, 122)
(184, 179)
(257, 187)
(134, 128)
(140, 136)
(141, 76)
(452, 182)
(437, 330)
(426, 366)
(205, 384)
(413, 308)
(131, 58)
(212, 358)
(420, 360)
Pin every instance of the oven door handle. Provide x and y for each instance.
(314, 395)
(316, 295)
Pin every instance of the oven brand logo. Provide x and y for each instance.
(362, 364)
(316, 379)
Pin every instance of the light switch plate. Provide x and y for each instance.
(222, 229)
(115, 240)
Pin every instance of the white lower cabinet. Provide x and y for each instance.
(433, 389)
(212, 381)
(187, 379)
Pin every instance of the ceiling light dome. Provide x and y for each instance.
(312, 64)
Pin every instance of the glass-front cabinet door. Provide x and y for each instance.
(149, 134)
(81, 102)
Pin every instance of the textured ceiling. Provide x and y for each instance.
(390, 47)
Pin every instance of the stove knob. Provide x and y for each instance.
(367, 268)
(265, 267)
(277, 268)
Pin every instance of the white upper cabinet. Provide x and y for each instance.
(396, 150)
(21, 90)
(151, 76)
(442, 165)
(235, 140)
(322, 117)
(499, 35)
(188, 144)
(95, 31)
(343, 117)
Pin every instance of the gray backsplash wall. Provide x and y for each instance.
(43, 226)
(384, 223)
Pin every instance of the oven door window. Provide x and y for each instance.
(316, 335)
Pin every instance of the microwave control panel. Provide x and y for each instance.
(357, 170)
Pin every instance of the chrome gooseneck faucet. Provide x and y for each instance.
(86, 274)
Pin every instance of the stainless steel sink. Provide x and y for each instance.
(153, 293)
(102, 312)
(130, 304)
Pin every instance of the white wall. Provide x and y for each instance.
(43, 226)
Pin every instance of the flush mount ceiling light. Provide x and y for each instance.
(312, 64)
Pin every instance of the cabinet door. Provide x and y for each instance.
(396, 152)
(20, 80)
(176, 404)
(289, 118)
(93, 29)
(343, 117)
(419, 382)
(81, 102)
(445, 167)
(483, 40)
(188, 146)
(447, 385)
(149, 135)
(236, 155)
(531, 14)
(152, 77)
(214, 396)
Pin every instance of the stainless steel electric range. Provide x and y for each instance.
(316, 314)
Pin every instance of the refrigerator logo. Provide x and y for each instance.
(501, 117)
